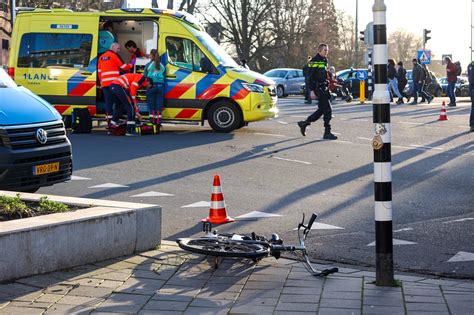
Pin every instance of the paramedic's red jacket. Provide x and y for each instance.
(131, 82)
(137, 54)
(109, 67)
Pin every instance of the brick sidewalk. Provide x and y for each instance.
(170, 281)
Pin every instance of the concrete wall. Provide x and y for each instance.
(58, 241)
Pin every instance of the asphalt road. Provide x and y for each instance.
(270, 168)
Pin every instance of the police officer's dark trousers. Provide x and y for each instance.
(123, 99)
(324, 109)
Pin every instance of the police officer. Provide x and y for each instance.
(319, 86)
(110, 66)
(470, 74)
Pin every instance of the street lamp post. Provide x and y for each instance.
(356, 35)
(382, 152)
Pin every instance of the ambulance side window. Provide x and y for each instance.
(44, 50)
(185, 53)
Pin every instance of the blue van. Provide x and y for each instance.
(34, 149)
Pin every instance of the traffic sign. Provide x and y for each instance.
(424, 56)
(361, 75)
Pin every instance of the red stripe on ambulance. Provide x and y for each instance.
(179, 90)
(212, 91)
(186, 113)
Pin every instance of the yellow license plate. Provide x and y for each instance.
(46, 168)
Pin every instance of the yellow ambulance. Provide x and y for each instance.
(54, 54)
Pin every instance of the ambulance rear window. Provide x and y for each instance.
(55, 50)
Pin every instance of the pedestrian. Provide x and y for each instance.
(451, 73)
(135, 52)
(418, 75)
(392, 80)
(307, 96)
(106, 37)
(402, 79)
(470, 76)
(319, 86)
(155, 93)
(109, 68)
(124, 91)
(333, 84)
(426, 83)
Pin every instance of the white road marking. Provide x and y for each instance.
(396, 242)
(409, 123)
(336, 133)
(152, 194)
(426, 147)
(288, 160)
(403, 230)
(73, 177)
(269, 134)
(362, 138)
(323, 226)
(298, 116)
(109, 185)
(459, 220)
(342, 141)
(462, 256)
(258, 215)
(282, 122)
(199, 204)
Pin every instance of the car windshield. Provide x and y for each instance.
(5, 80)
(275, 73)
(217, 51)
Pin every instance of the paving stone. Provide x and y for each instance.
(92, 282)
(223, 287)
(298, 275)
(423, 292)
(260, 293)
(41, 305)
(382, 301)
(303, 307)
(205, 311)
(49, 298)
(70, 309)
(138, 260)
(110, 284)
(218, 295)
(121, 275)
(291, 313)
(61, 289)
(153, 312)
(227, 280)
(343, 286)
(263, 285)
(383, 293)
(343, 295)
(303, 298)
(373, 287)
(3, 304)
(78, 300)
(302, 290)
(379, 309)
(187, 282)
(426, 313)
(347, 270)
(424, 299)
(406, 278)
(439, 282)
(466, 285)
(304, 283)
(13, 290)
(166, 305)
(252, 309)
(265, 277)
(211, 303)
(338, 311)
(461, 309)
(123, 303)
(233, 272)
(115, 264)
(263, 270)
(459, 297)
(340, 303)
(425, 307)
(252, 300)
(41, 281)
(197, 268)
(28, 297)
(178, 290)
(12, 310)
(91, 291)
(140, 286)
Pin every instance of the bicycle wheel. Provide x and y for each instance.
(223, 248)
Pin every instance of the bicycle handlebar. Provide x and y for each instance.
(311, 220)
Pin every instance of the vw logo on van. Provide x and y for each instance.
(41, 136)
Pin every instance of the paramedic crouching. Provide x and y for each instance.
(155, 94)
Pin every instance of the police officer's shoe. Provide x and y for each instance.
(303, 124)
(329, 136)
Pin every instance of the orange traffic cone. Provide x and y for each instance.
(443, 115)
(217, 212)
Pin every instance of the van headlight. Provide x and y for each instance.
(251, 87)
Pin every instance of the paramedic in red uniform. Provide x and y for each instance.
(124, 91)
(135, 52)
(110, 67)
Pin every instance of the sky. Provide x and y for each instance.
(448, 20)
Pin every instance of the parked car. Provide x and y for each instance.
(353, 83)
(434, 88)
(462, 86)
(34, 149)
(288, 80)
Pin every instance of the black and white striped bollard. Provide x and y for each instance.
(382, 152)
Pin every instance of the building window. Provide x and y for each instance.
(44, 50)
(5, 43)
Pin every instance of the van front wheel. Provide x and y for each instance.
(224, 117)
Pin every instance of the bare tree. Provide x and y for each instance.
(402, 45)
(247, 23)
(343, 56)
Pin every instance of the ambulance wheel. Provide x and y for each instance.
(224, 117)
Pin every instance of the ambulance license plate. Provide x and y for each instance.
(46, 168)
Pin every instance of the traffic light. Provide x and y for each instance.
(426, 37)
(362, 36)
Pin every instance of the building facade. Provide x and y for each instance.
(5, 31)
